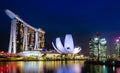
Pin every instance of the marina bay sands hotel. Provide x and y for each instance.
(24, 37)
(27, 41)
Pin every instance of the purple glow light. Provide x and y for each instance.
(117, 40)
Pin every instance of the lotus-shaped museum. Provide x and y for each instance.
(68, 47)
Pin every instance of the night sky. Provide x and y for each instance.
(81, 18)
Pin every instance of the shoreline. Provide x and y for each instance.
(38, 59)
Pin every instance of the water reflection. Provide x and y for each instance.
(100, 69)
(75, 68)
(55, 67)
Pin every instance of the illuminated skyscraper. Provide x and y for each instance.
(24, 37)
(117, 47)
(98, 47)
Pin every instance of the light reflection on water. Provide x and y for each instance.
(55, 67)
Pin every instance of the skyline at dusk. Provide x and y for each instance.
(82, 19)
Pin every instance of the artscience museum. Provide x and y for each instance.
(68, 47)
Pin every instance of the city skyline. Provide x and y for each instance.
(82, 19)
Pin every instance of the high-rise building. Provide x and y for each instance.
(117, 47)
(98, 47)
(24, 37)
